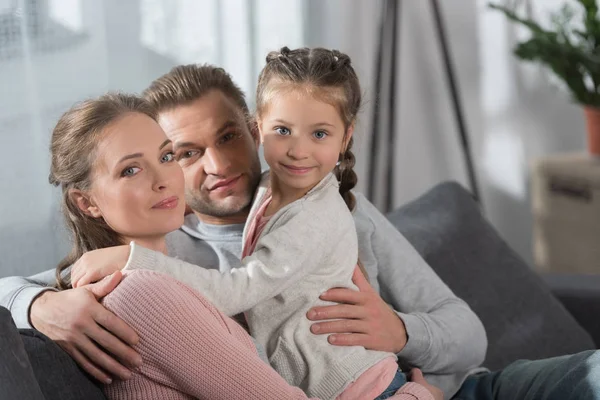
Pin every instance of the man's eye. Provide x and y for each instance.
(228, 137)
(188, 154)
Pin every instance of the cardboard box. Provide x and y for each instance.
(566, 211)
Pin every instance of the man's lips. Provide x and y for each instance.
(297, 169)
(168, 203)
(224, 184)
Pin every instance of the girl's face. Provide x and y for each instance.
(137, 187)
(303, 138)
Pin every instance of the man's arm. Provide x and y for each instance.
(444, 334)
(18, 293)
(75, 320)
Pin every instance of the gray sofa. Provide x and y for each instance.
(525, 315)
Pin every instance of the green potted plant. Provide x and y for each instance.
(572, 51)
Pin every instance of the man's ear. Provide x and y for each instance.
(347, 137)
(84, 202)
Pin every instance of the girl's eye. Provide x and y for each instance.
(167, 157)
(130, 171)
(282, 131)
(320, 135)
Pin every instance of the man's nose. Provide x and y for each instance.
(216, 163)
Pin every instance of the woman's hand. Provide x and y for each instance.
(416, 376)
(97, 264)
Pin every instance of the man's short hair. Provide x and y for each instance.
(187, 83)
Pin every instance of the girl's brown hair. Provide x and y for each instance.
(327, 74)
(73, 152)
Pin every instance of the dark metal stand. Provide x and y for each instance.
(390, 20)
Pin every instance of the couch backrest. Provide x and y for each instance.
(522, 318)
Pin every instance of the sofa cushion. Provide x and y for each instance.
(57, 374)
(522, 318)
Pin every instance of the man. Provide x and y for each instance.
(205, 115)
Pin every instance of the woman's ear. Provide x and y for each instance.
(83, 201)
(347, 137)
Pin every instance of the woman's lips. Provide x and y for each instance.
(167, 204)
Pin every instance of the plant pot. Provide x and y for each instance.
(592, 116)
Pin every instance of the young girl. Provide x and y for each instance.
(119, 183)
(300, 239)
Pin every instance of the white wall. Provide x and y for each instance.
(514, 112)
(124, 45)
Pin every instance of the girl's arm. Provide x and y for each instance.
(296, 246)
(187, 345)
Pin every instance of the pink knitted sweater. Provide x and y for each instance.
(192, 351)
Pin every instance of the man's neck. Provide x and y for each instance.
(233, 219)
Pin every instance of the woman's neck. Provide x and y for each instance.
(156, 243)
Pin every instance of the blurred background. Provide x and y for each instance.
(56, 52)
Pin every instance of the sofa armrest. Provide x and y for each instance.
(580, 294)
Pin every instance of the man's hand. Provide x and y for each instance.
(417, 376)
(98, 264)
(363, 318)
(86, 330)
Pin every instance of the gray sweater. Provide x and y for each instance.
(446, 339)
(306, 248)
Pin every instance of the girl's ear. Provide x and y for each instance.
(259, 130)
(347, 137)
(85, 203)
(253, 127)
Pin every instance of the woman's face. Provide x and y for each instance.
(137, 187)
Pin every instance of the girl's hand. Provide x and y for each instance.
(97, 264)
(416, 376)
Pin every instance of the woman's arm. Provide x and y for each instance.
(186, 344)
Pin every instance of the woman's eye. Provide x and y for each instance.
(167, 157)
(282, 131)
(130, 171)
(320, 135)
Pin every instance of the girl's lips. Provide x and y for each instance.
(297, 170)
(167, 204)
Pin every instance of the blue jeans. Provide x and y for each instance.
(397, 382)
(572, 377)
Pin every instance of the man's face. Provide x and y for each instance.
(218, 154)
